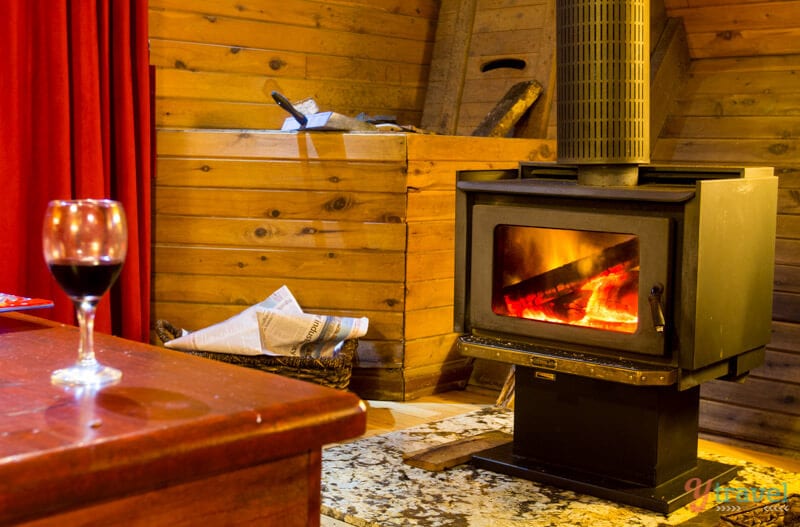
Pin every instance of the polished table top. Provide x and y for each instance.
(172, 418)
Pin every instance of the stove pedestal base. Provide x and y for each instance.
(632, 444)
(664, 498)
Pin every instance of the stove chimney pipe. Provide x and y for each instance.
(603, 88)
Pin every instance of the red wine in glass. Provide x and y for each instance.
(84, 244)
(85, 280)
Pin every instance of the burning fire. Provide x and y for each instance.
(608, 301)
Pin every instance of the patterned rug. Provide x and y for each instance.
(365, 483)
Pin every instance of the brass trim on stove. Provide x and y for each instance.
(584, 365)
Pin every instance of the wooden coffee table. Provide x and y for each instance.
(180, 440)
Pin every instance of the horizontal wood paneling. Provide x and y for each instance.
(787, 278)
(229, 87)
(729, 28)
(787, 251)
(239, 214)
(244, 145)
(285, 204)
(281, 174)
(405, 18)
(780, 366)
(218, 61)
(765, 394)
(198, 26)
(357, 265)
(202, 230)
(311, 294)
(750, 424)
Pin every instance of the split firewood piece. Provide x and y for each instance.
(444, 456)
(502, 118)
(572, 276)
(506, 397)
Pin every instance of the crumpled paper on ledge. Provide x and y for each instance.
(276, 326)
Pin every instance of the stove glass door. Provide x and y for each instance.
(565, 276)
(584, 278)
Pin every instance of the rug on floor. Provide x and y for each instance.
(365, 483)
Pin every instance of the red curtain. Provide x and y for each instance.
(75, 122)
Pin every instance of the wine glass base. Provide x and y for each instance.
(83, 375)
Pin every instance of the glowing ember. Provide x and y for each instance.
(607, 301)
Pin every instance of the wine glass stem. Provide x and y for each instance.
(86, 311)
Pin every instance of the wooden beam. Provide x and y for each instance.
(448, 66)
(669, 67)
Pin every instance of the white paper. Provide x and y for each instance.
(306, 334)
(276, 326)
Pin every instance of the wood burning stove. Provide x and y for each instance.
(614, 286)
(615, 303)
(675, 273)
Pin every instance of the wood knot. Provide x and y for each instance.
(331, 255)
(261, 232)
(205, 168)
(180, 65)
(391, 302)
(339, 203)
(235, 50)
(728, 35)
(274, 213)
(276, 64)
(546, 151)
(778, 149)
(308, 230)
(334, 179)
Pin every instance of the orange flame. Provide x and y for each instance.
(607, 301)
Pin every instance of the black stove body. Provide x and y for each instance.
(614, 303)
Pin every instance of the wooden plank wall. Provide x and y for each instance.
(218, 61)
(739, 28)
(238, 215)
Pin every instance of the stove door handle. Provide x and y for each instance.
(655, 307)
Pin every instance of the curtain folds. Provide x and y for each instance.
(75, 101)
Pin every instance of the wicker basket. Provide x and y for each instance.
(333, 372)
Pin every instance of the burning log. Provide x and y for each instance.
(602, 286)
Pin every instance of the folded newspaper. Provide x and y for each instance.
(276, 326)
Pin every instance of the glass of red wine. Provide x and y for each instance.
(84, 243)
